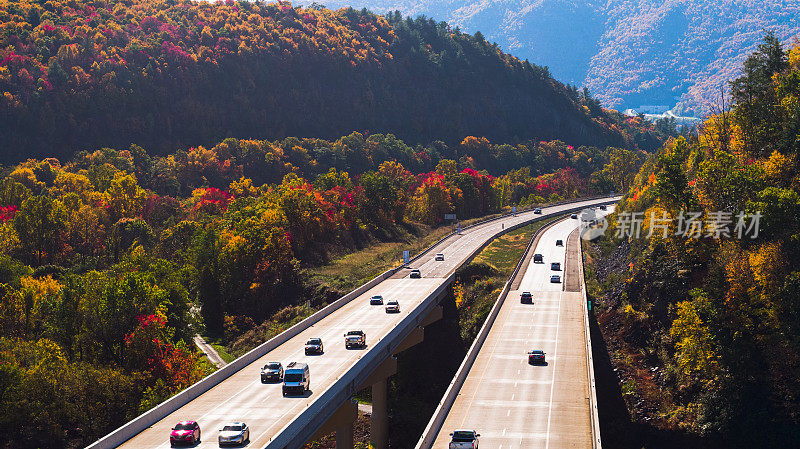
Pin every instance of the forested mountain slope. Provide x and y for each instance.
(703, 322)
(166, 74)
(629, 53)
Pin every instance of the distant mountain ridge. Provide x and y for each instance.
(629, 53)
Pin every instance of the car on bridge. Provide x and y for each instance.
(537, 356)
(234, 434)
(464, 439)
(314, 346)
(538, 258)
(603, 207)
(555, 279)
(392, 306)
(574, 216)
(526, 298)
(355, 339)
(296, 378)
(439, 256)
(415, 274)
(376, 300)
(185, 432)
(272, 371)
(537, 211)
(555, 266)
(559, 242)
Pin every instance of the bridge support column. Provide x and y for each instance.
(340, 422)
(379, 421)
(379, 425)
(344, 436)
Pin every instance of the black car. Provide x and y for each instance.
(314, 346)
(555, 266)
(526, 298)
(536, 356)
(603, 207)
(415, 274)
(559, 243)
(376, 300)
(538, 258)
(272, 372)
(537, 211)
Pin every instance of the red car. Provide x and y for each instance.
(185, 432)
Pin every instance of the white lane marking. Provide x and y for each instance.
(552, 385)
(512, 397)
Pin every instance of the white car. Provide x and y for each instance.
(464, 439)
(439, 256)
(235, 433)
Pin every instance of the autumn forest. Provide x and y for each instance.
(175, 167)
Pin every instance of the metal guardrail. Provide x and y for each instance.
(150, 417)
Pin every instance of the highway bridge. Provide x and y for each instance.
(499, 394)
(235, 392)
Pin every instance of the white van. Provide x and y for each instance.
(296, 379)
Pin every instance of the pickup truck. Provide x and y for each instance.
(464, 439)
(355, 338)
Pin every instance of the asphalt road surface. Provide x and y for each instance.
(511, 403)
(242, 396)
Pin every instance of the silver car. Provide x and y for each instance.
(235, 433)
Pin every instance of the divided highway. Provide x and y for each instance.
(510, 402)
(274, 419)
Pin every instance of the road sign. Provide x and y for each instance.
(514, 210)
(406, 256)
(449, 216)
